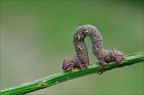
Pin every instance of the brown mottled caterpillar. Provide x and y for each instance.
(81, 59)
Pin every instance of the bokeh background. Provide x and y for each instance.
(37, 35)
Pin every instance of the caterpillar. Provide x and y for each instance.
(81, 58)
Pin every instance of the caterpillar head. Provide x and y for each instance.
(66, 64)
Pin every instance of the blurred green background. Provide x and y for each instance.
(37, 35)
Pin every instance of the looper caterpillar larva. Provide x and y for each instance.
(81, 59)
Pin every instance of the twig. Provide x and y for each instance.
(65, 76)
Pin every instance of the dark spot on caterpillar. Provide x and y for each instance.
(81, 58)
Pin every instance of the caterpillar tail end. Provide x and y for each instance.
(120, 58)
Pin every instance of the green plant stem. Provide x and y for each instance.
(65, 76)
